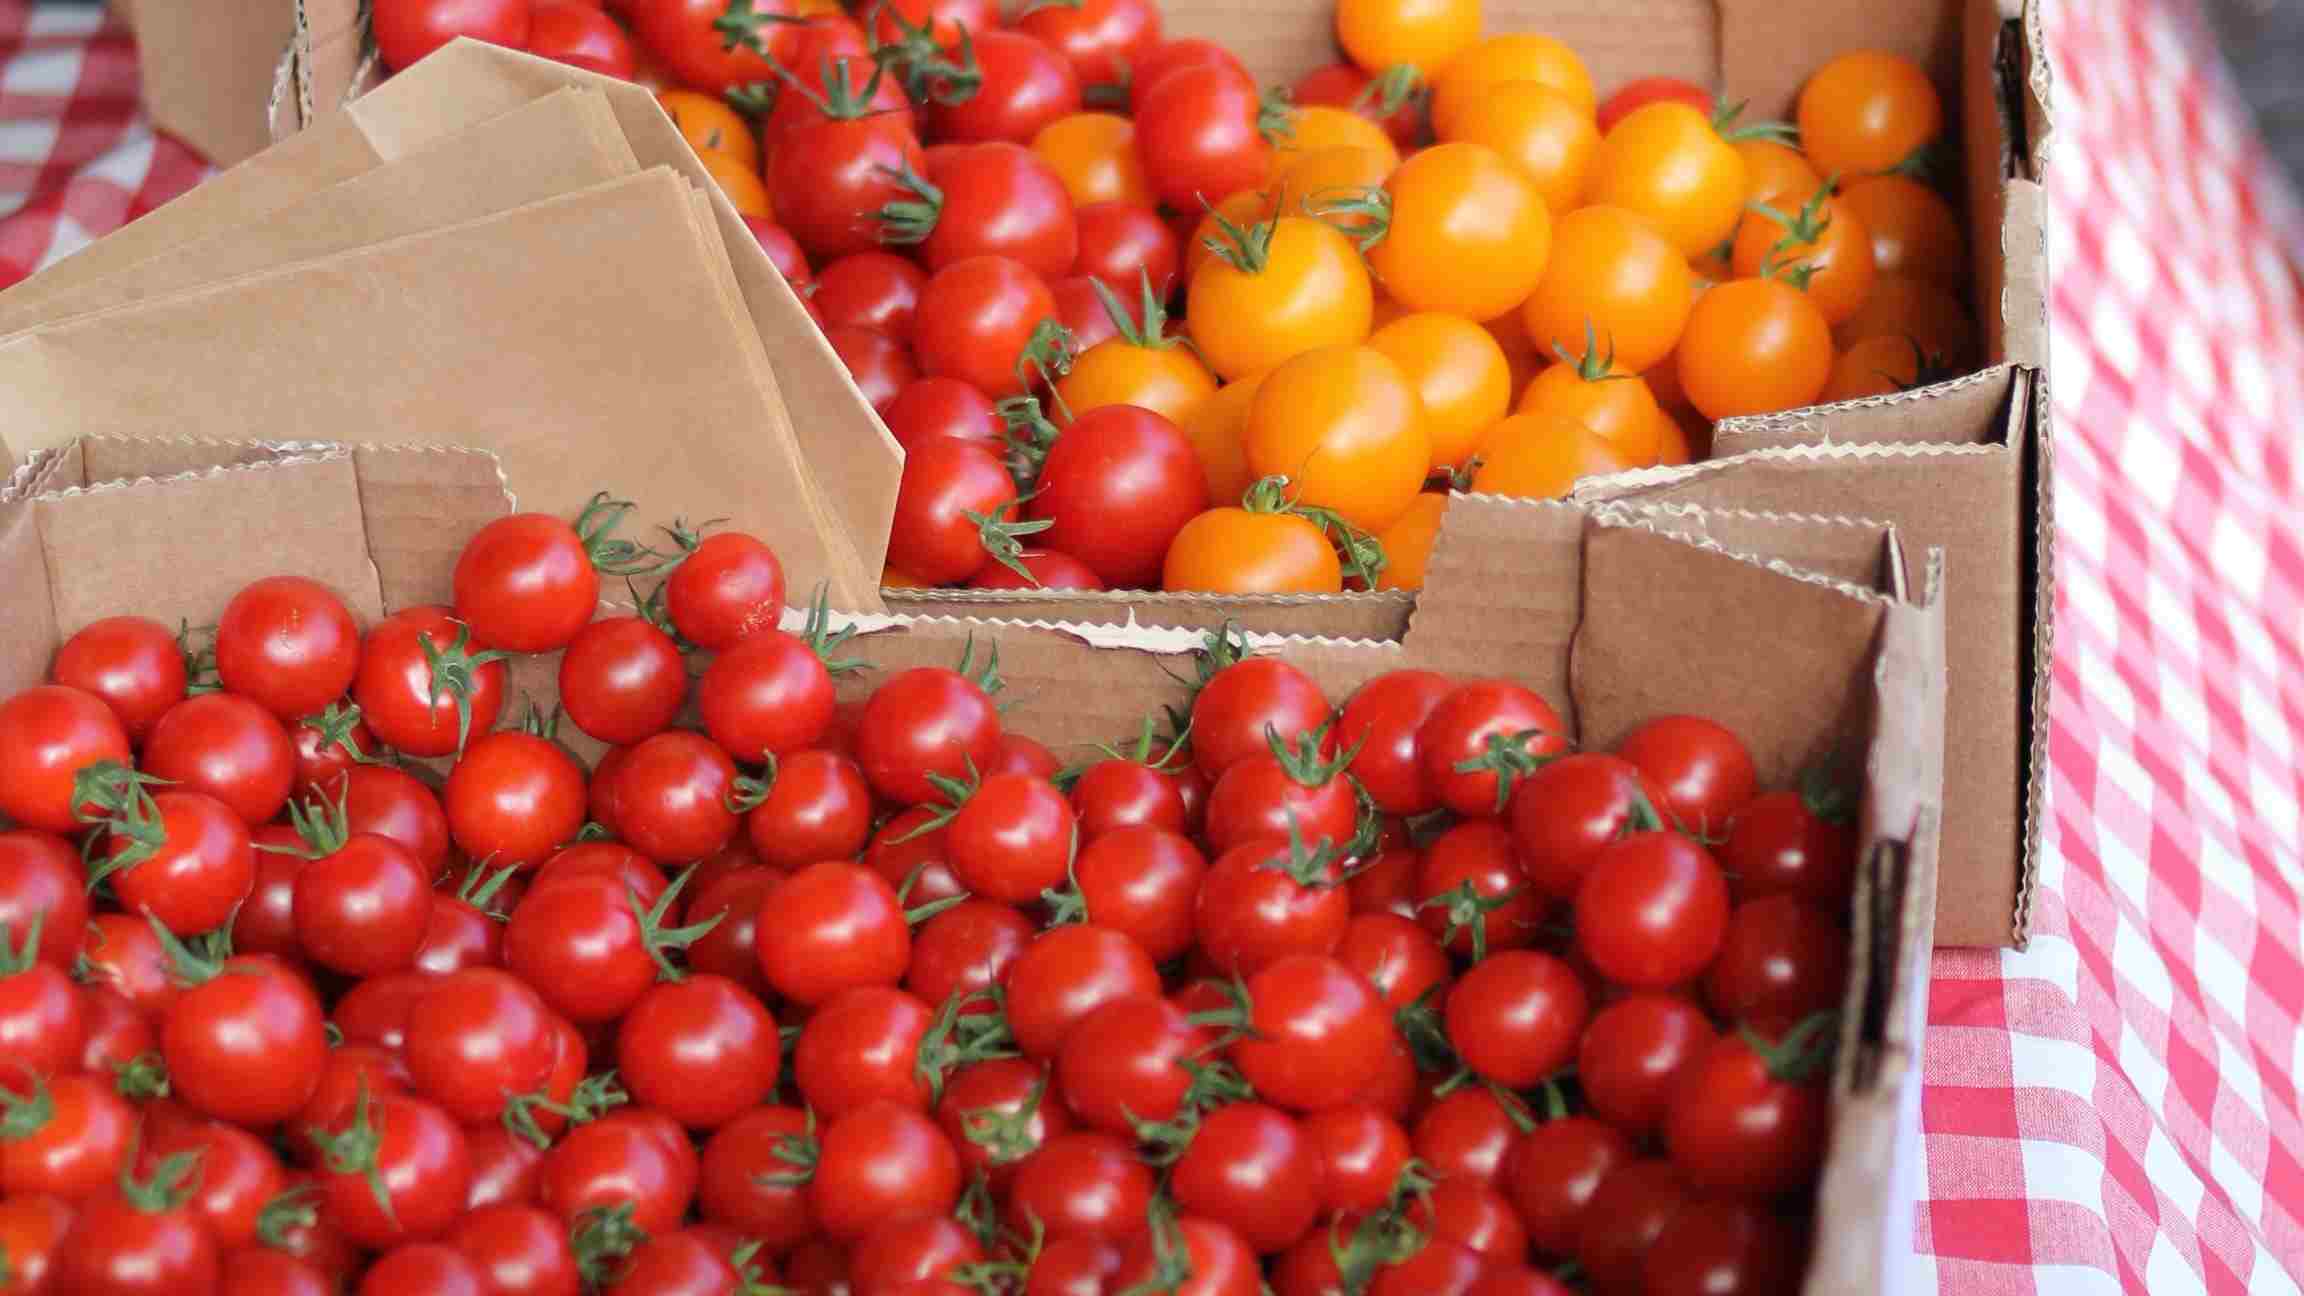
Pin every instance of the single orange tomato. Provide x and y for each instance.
(1542, 456)
(1541, 131)
(1468, 233)
(893, 578)
(1094, 154)
(1425, 34)
(1459, 372)
(1613, 277)
(1868, 111)
(1142, 364)
(1218, 431)
(1343, 425)
(1821, 245)
(1924, 310)
(1882, 365)
(1914, 231)
(711, 126)
(741, 183)
(1317, 128)
(1615, 403)
(1408, 542)
(1280, 288)
(1460, 85)
(1667, 162)
(1259, 546)
(1754, 346)
(1243, 209)
(1775, 172)
(1333, 185)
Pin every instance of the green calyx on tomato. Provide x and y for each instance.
(912, 220)
(322, 827)
(1361, 554)
(660, 940)
(1245, 248)
(1592, 365)
(15, 958)
(1724, 115)
(353, 1151)
(1802, 228)
(1006, 1136)
(602, 1238)
(930, 73)
(199, 962)
(1047, 354)
(336, 726)
(1273, 116)
(1506, 755)
(610, 553)
(841, 99)
(141, 1077)
(1466, 910)
(1391, 90)
(593, 1097)
(1152, 334)
(1301, 760)
(1002, 538)
(287, 1213)
(23, 1115)
(454, 672)
(1213, 1085)
(800, 1151)
(126, 811)
(170, 1183)
(1802, 1053)
(958, 1038)
(1366, 211)
(481, 885)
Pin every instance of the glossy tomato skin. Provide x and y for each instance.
(1779, 845)
(770, 694)
(1653, 911)
(124, 956)
(583, 36)
(1125, 245)
(630, 1155)
(1515, 1017)
(476, 1037)
(1318, 1031)
(1382, 721)
(421, 1159)
(819, 808)
(324, 751)
(998, 1113)
(1734, 1126)
(407, 30)
(828, 178)
(1781, 960)
(1633, 1054)
(395, 685)
(1026, 85)
(1119, 484)
(1122, 1063)
(514, 798)
(203, 867)
(42, 1022)
(976, 316)
(228, 747)
(1011, 839)
(838, 925)
(1252, 911)
(42, 880)
(1231, 713)
(239, 1173)
(875, 290)
(966, 950)
(1067, 973)
(1083, 1184)
(79, 1148)
(119, 1247)
(748, 1184)
(287, 644)
(682, 34)
(1467, 724)
(131, 662)
(1197, 129)
(247, 1046)
(1099, 37)
(945, 480)
(730, 587)
(526, 583)
(622, 680)
(731, 948)
(1400, 959)
(1471, 893)
(912, 1253)
(879, 364)
(926, 720)
(1442, 1267)
(1217, 1259)
(941, 407)
(1553, 1173)
(1703, 771)
(48, 734)
(702, 1050)
(1144, 882)
(1117, 793)
(1362, 1151)
(392, 803)
(362, 909)
(673, 797)
(1564, 814)
(1723, 1248)
(577, 942)
(1251, 1166)
(1001, 199)
(882, 1160)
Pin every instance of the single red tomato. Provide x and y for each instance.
(1192, 1256)
(1633, 1054)
(422, 687)
(837, 925)
(1791, 843)
(1269, 898)
(363, 906)
(1555, 1170)
(1473, 1213)
(391, 802)
(961, 954)
(1471, 893)
(407, 30)
(1023, 85)
(1067, 973)
(632, 1158)
(581, 35)
(124, 955)
(1653, 911)
(955, 502)
(1317, 1030)
(515, 798)
(1362, 1151)
(183, 859)
(622, 680)
(1467, 1132)
(1123, 1064)
(1199, 131)
(727, 588)
(580, 944)
(1122, 792)
(942, 407)
(70, 1137)
(1723, 1247)
(43, 894)
(1440, 1267)
(238, 1175)
(1748, 1115)
(1083, 1184)
(43, 1025)
(880, 1161)
(521, 1250)
(818, 807)
(530, 581)
(701, 1049)
(1381, 724)
(1566, 813)
(1399, 958)
(327, 744)
(879, 364)
(1169, 56)
(1253, 1167)
(871, 289)
(674, 797)
(783, 252)
(1101, 38)
(475, 1038)
(1482, 739)
(991, 199)
(1011, 839)
(1118, 485)
(48, 735)
(1126, 245)
(32, 1232)
(828, 178)
(998, 1113)
(1232, 711)
(688, 37)
(1144, 882)
(925, 721)
(134, 663)
(1781, 960)
(754, 1176)
(227, 747)
(245, 1042)
(770, 695)
(141, 1235)
(287, 644)
(1703, 772)
(1515, 1017)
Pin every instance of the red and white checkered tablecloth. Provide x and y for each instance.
(2114, 1109)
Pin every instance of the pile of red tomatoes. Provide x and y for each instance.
(318, 975)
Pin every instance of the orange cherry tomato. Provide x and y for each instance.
(1876, 366)
(1252, 550)
(1218, 431)
(1094, 154)
(893, 578)
(1408, 542)
(1614, 403)
(1822, 239)
(1541, 131)
(1914, 231)
(1424, 34)
(1924, 310)
(741, 183)
(1283, 287)
(711, 126)
(1754, 346)
(1316, 128)
(1142, 365)
(1611, 273)
(1458, 371)
(1542, 456)
(1682, 438)
(1459, 87)
(1774, 172)
(1868, 111)
(1666, 162)
(1330, 183)
(1469, 233)
(1243, 209)
(1342, 424)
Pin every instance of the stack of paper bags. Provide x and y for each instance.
(489, 250)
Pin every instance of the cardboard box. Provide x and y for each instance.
(1619, 612)
(1984, 502)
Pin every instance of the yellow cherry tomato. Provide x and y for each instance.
(745, 190)
(1141, 365)
(1094, 154)
(1342, 424)
(1875, 366)
(1542, 456)
(1868, 111)
(1459, 87)
(1613, 275)
(1425, 34)
(1616, 404)
(1252, 551)
(1822, 240)
(1281, 288)
(1316, 128)
(1775, 172)
(710, 125)
(1332, 184)
(1459, 372)
(1469, 233)
(1924, 310)
(1408, 542)
(1218, 431)
(1541, 131)
(1754, 346)
(1665, 161)
(1914, 231)
(1243, 209)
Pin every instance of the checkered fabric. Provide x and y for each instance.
(2115, 1109)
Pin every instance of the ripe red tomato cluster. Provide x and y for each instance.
(1404, 997)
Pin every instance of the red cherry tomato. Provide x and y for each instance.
(1566, 813)
(1344, 85)
(872, 289)
(828, 178)
(728, 588)
(977, 317)
(407, 30)
(1317, 1030)
(1382, 722)
(1252, 1167)
(48, 735)
(1652, 89)
(225, 746)
(1025, 85)
(837, 925)
(942, 407)
(1747, 1116)
(516, 798)
(687, 37)
(1703, 772)
(1126, 246)
(925, 721)
(1781, 960)
(881, 1161)
(1553, 1173)
(1171, 55)
(1084, 1184)
(1119, 484)
(410, 707)
(1198, 132)
(946, 480)
(1101, 38)
(132, 662)
(1633, 1055)
(1067, 973)
(1653, 911)
(1515, 1017)
(991, 199)
(580, 35)
(1232, 711)
(1784, 843)
(702, 1050)
(622, 680)
(673, 797)
(1482, 739)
